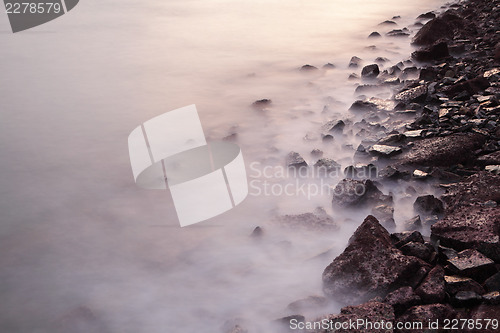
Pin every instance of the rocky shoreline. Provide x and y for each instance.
(451, 90)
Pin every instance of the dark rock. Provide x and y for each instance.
(426, 313)
(402, 299)
(431, 290)
(351, 193)
(257, 232)
(412, 94)
(414, 223)
(363, 106)
(370, 266)
(455, 283)
(370, 71)
(481, 313)
(435, 52)
(329, 66)
(327, 165)
(473, 86)
(426, 16)
(497, 53)
(489, 159)
(466, 299)
(428, 205)
(334, 126)
(439, 28)
(388, 22)
(294, 160)
(401, 238)
(375, 34)
(473, 264)
(355, 62)
(309, 303)
(361, 171)
(262, 103)
(493, 283)
(385, 214)
(308, 68)
(419, 250)
(399, 33)
(373, 311)
(492, 298)
(471, 228)
(443, 151)
(428, 74)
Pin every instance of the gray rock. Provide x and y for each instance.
(411, 94)
(419, 250)
(294, 160)
(328, 165)
(351, 193)
(384, 150)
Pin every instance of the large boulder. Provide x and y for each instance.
(440, 28)
(443, 151)
(351, 193)
(471, 228)
(370, 266)
(435, 52)
(432, 289)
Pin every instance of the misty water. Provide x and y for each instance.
(76, 231)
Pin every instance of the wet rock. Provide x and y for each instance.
(355, 62)
(428, 205)
(455, 284)
(370, 266)
(439, 28)
(413, 224)
(294, 160)
(435, 52)
(478, 188)
(308, 68)
(375, 34)
(466, 299)
(419, 250)
(373, 311)
(384, 150)
(432, 289)
(309, 303)
(493, 283)
(470, 228)
(473, 264)
(351, 193)
(426, 313)
(327, 165)
(411, 94)
(308, 221)
(402, 299)
(443, 151)
(370, 71)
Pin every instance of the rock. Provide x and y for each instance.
(473, 264)
(492, 298)
(466, 299)
(419, 174)
(375, 34)
(411, 94)
(317, 153)
(493, 169)
(355, 62)
(478, 188)
(425, 314)
(436, 29)
(370, 71)
(257, 232)
(481, 313)
(471, 87)
(493, 283)
(419, 250)
(308, 68)
(428, 74)
(329, 66)
(398, 33)
(373, 312)
(443, 151)
(334, 126)
(351, 193)
(426, 16)
(401, 238)
(361, 171)
(413, 224)
(470, 228)
(428, 205)
(431, 290)
(455, 284)
(370, 266)
(327, 166)
(402, 299)
(283, 324)
(308, 221)
(388, 22)
(384, 150)
(363, 106)
(385, 214)
(294, 160)
(497, 53)
(261, 103)
(309, 303)
(435, 52)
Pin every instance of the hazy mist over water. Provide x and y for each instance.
(75, 230)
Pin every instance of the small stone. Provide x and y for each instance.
(317, 153)
(308, 68)
(334, 126)
(370, 71)
(411, 94)
(355, 62)
(399, 33)
(375, 34)
(329, 66)
(257, 232)
(384, 150)
(414, 134)
(431, 290)
(419, 174)
(495, 169)
(414, 223)
(492, 72)
(401, 238)
(419, 250)
(262, 103)
(328, 165)
(402, 299)
(294, 160)
(493, 283)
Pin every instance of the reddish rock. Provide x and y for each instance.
(455, 283)
(435, 52)
(425, 313)
(432, 290)
(428, 205)
(351, 193)
(485, 312)
(472, 87)
(433, 31)
(370, 266)
(402, 299)
(473, 264)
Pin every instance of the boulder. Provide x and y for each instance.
(432, 289)
(493, 283)
(454, 284)
(370, 266)
(470, 228)
(412, 94)
(441, 27)
(435, 52)
(402, 299)
(370, 71)
(385, 150)
(327, 165)
(351, 193)
(294, 160)
(473, 264)
(443, 151)
(428, 205)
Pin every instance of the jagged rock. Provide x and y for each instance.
(495, 169)
(492, 298)
(466, 299)
(375, 34)
(432, 289)
(361, 171)
(455, 283)
(482, 312)
(470, 228)
(435, 52)
(419, 174)
(473, 264)
(471, 87)
(328, 165)
(370, 71)
(441, 27)
(363, 106)
(493, 283)
(384, 150)
(443, 151)
(419, 250)
(370, 266)
(355, 62)
(294, 160)
(334, 126)
(411, 94)
(402, 299)
(373, 311)
(354, 193)
(428, 205)
(401, 238)
(385, 214)
(426, 313)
